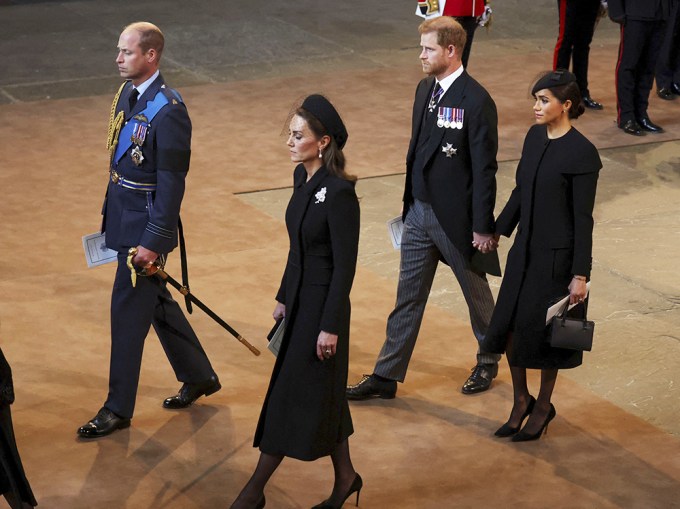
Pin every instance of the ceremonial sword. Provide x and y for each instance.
(155, 268)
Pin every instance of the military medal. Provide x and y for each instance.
(137, 156)
(449, 150)
(457, 118)
(140, 129)
(440, 118)
(445, 115)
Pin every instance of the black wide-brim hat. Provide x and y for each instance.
(322, 109)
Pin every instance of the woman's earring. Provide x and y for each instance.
(320, 154)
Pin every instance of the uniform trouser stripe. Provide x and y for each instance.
(424, 242)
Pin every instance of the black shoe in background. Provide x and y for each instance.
(591, 103)
(370, 386)
(665, 94)
(480, 379)
(648, 125)
(631, 127)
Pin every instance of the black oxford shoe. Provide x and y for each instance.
(675, 88)
(102, 424)
(648, 125)
(631, 127)
(191, 392)
(372, 387)
(665, 94)
(480, 379)
(591, 103)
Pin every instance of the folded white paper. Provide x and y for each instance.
(96, 252)
(394, 229)
(555, 308)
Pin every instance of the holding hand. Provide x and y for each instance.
(279, 311)
(577, 289)
(485, 242)
(144, 257)
(326, 345)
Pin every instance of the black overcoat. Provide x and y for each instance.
(461, 186)
(13, 482)
(552, 206)
(305, 413)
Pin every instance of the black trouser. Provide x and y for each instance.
(469, 24)
(577, 25)
(638, 52)
(133, 312)
(668, 67)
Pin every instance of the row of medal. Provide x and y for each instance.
(451, 118)
(138, 136)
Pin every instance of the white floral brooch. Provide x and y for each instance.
(320, 196)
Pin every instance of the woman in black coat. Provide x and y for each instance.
(552, 206)
(13, 483)
(305, 413)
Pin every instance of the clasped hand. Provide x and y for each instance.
(485, 242)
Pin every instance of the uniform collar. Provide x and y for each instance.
(144, 86)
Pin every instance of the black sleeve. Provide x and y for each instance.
(583, 197)
(343, 223)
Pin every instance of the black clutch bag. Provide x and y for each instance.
(571, 332)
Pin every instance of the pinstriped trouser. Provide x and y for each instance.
(423, 243)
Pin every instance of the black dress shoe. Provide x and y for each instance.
(371, 386)
(480, 379)
(648, 125)
(631, 127)
(675, 88)
(191, 392)
(102, 424)
(591, 103)
(666, 94)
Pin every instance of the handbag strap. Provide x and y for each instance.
(585, 310)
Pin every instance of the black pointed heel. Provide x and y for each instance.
(261, 503)
(357, 484)
(523, 436)
(507, 431)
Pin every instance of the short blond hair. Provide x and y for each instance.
(150, 36)
(449, 32)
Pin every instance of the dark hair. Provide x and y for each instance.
(564, 92)
(333, 157)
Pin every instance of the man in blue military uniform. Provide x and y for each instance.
(150, 144)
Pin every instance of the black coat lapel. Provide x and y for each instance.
(419, 104)
(453, 98)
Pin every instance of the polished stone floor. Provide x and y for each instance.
(240, 66)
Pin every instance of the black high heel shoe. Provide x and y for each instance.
(523, 436)
(357, 484)
(507, 431)
(261, 503)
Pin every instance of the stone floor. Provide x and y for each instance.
(240, 66)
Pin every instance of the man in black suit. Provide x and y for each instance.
(449, 200)
(668, 66)
(150, 144)
(642, 32)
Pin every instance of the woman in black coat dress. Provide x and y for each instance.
(552, 205)
(13, 483)
(305, 413)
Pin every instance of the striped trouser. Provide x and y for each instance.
(423, 243)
